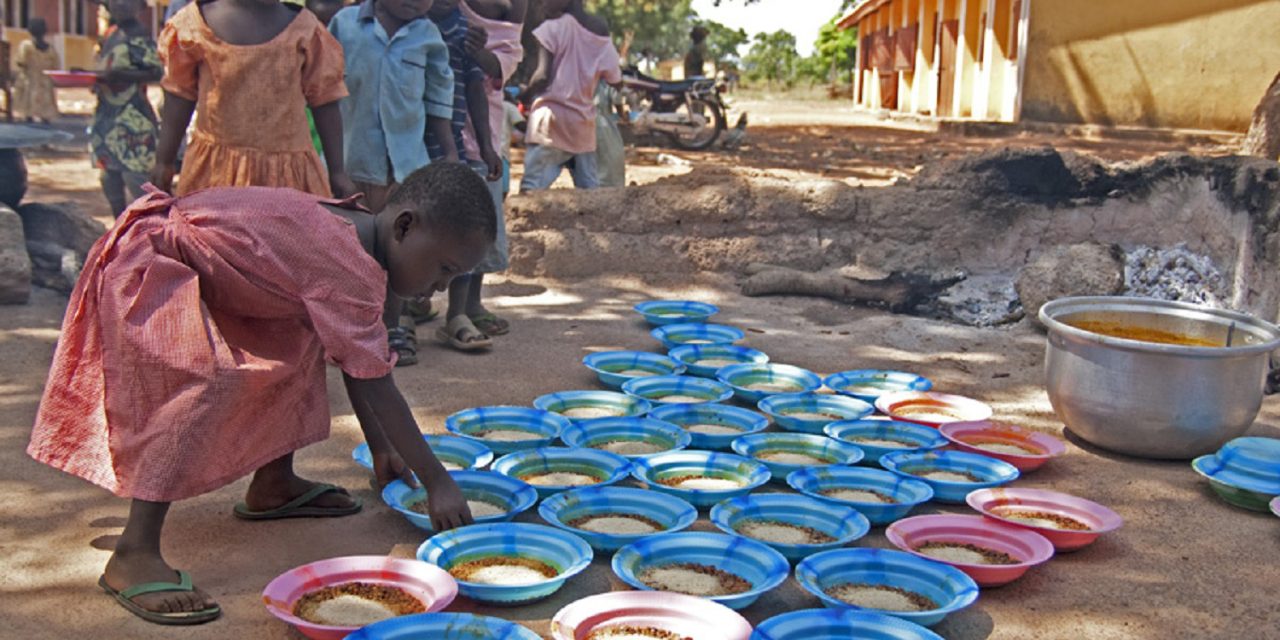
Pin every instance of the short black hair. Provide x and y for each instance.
(452, 196)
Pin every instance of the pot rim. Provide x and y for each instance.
(1049, 312)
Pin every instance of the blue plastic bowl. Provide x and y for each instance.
(747, 474)
(543, 427)
(784, 378)
(905, 492)
(741, 421)
(454, 453)
(752, 561)
(865, 433)
(568, 553)
(784, 410)
(832, 451)
(509, 493)
(1245, 471)
(844, 524)
(615, 405)
(989, 471)
(444, 626)
(946, 586)
(616, 367)
(670, 512)
(605, 466)
(658, 390)
(624, 436)
(664, 312)
(678, 335)
(869, 384)
(691, 355)
(840, 624)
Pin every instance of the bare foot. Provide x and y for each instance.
(267, 493)
(126, 569)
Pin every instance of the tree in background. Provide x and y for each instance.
(660, 27)
(724, 45)
(835, 55)
(772, 58)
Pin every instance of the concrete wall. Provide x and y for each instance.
(1201, 64)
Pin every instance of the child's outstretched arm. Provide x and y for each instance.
(542, 74)
(174, 119)
(392, 432)
(478, 109)
(329, 126)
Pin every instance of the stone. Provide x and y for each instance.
(1085, 269)
(15, 266)
(13, 177)
(60, 223)
(980, 301)
(54, 266)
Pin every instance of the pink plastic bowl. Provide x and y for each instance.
(1022, 544)
(1275, 506)
(686, 616)
(930, 408)
(429, 583)
(990, 502)
(966, 436)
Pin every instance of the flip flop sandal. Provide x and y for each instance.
(491, 324)
(125, 599)
(454, 334)
(300, 507)
(402, 341)
(420, 311)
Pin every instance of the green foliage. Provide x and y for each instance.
(724, 44)
(772, 58)
(835, 55)
(659, 26)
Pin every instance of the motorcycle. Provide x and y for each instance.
(689, 112)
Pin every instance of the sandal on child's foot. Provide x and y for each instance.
(405, 344)
(419, 309)
(125, 597)
(462, 335)
(491, 324)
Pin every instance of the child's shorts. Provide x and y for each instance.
(543, 164)
(496, 259)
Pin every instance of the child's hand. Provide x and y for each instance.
(477, 38)
(341, 185)
(493, 162)
(446, 505)
(162, 176)
(389, 466)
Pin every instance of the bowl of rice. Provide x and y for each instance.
(894, 583)
(1069, 522)
(931, 408)
(878, 437)
(507, 563)
(665, 312)
(731, 570)
(329, 599)
(704, 360)
(1026, 449)
(554, 469)
(610, 518)
(627, 437)
(678, 335)
(453, 452)
(951, 474)
(579, 406)
(492, 497)
(702, 478)
(869, 384)
(711, 426)
(648, 615)
(881, 496)
(812, 412)
(678, 390)
(991, 552)
(754, 382)
(795, 526)
(444, 626)
(614, 368)
(840, 624)
(507, 429)
(783, 453)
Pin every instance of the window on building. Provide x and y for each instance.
(76, 17)
(17, 13)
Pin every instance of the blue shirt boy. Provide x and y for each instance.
(395, 83)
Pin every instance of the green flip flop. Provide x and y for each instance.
(125, 599)
(301, 507)
(491, 324)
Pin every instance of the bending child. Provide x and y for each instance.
(193, 353)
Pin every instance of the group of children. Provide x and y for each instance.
(194, 345)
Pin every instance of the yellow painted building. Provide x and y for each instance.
(1199, 64)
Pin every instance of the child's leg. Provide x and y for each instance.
(495, 260)
(137, 560)
(275, 485)
(113, 189)
(586, 171)
(542, 165)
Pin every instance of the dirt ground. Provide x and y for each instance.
(1185, 565)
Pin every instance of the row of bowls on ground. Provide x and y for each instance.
(611, 436)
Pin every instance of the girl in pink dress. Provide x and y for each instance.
(194, 346)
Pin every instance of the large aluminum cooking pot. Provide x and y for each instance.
(1149, 399)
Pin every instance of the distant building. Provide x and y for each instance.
(1200, 64)
(74, 25)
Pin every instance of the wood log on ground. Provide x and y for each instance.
(851, 285)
